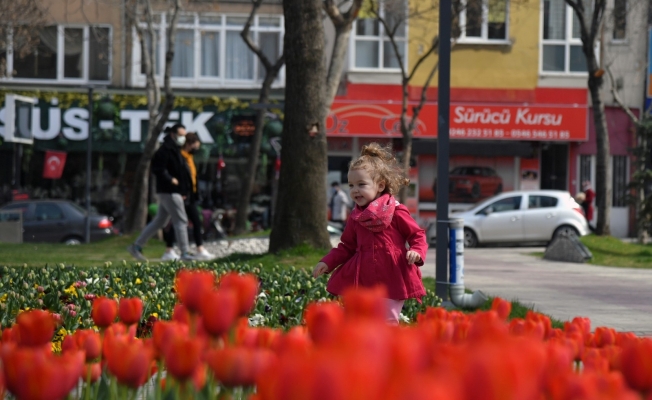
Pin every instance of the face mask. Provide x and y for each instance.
(181, 140)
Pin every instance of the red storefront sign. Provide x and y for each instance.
(467, 121)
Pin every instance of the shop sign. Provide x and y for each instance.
(467, 121)
(72, 123)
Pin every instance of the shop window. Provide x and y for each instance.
(82, 52)
(372, 47)
(620, 20)
(483, 21)
(586, 167)
(561, 49)
(619, 189)
(210, 51)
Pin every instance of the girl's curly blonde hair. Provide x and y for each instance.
(381, 164)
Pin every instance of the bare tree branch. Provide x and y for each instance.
(618, 100)
(247, 39)
(333, 12)
(424, 92)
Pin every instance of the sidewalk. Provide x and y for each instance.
(616, 297)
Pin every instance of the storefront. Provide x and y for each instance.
(519, 143)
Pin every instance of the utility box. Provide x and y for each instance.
(11, 226)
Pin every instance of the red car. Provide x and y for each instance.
(473, 183)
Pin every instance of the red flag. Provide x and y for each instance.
(54, 163)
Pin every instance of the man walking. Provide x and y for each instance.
(173, 186)
(338, 204)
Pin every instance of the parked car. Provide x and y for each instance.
(520, 217)
(59, 221)
(473, 183)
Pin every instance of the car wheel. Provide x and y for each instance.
(470, 239)
(565, 230)
(72, 241)
(475, 190)
(499, 189)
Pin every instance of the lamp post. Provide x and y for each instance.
(441, 271)
(89, 158)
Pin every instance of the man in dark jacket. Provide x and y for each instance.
(173, 185)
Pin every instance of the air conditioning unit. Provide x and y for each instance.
(18, 119)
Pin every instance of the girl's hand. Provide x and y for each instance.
(413, 257)
(320, 269)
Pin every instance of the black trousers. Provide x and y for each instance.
(193, 216)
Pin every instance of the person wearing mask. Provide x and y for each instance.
(189, 148)
(173, 186)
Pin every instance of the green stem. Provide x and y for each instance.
(157, 389)
(87, 388)
(114, 389)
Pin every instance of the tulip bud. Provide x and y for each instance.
(130, 310)
(104, 311)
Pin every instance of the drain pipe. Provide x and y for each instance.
(456, 262)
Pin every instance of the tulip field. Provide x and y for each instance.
(241, 332)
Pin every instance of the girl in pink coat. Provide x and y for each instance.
(373, 245)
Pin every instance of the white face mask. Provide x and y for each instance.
(181, 140)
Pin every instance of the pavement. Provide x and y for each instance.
(620, 298)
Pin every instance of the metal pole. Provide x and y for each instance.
(89, 158)
(441, 272)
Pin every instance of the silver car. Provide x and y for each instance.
(520, 217)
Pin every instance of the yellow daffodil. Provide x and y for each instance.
(56, 347)
(138, 281)
(4, 298)
(71, 290)
(155, 314)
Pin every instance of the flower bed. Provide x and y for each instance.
(68, 292)
(209, 350)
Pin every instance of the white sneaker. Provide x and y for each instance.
(205, 255)
(170, 256)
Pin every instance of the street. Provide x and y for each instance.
(614, 297)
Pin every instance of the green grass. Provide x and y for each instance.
(85, 255)
(613, 252)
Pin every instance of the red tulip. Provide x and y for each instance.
(502, 307)
(131, 310)
(366, 303)
(191, 287)
(238, 366)
(104, 311)
(180, 314)
(636, 364)
(164, 331)
(323, 320)
(84, 339)
(219, 311)
(245, 287)
(32, 374)
(92, 372)
(35, 328)
(182, 356)
(129, 360)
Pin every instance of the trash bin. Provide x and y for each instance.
(11, 226)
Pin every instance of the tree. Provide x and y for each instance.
(159, 108)
(22, 20)
(342, 19)
(271, 73)
(394, 17)
(300, 215)
(590, 15)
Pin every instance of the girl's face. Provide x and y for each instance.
(363, 189)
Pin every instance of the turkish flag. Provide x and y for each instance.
(54, 163)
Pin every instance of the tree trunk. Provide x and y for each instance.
(300, 215)
(254, 152)
(340, 46)
(603, 168)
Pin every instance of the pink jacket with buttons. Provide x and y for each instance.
(367, 258)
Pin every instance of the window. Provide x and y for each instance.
(620, 20)
(372, 47)
(503, 205)
(619, 177)
(561, 50)
(60, 53)
(586, 168)
(542, 202)
(48, 212)
(483, 21)
(210, 51)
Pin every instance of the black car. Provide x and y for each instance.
(58, 221)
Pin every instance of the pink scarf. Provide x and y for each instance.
(378, 214)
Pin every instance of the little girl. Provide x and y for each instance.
(373, 245)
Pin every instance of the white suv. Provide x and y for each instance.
(520, 217)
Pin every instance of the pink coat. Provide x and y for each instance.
(367, 258)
